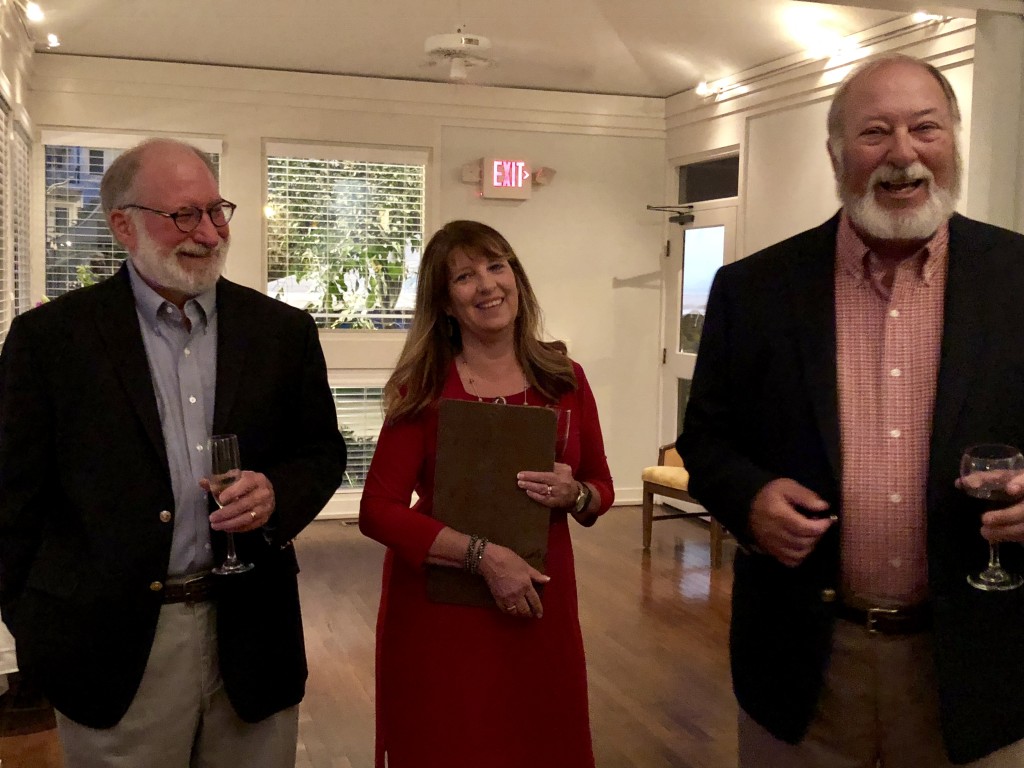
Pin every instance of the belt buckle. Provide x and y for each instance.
(193, 588)
(873, 616)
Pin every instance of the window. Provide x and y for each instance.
(79, 248)
(21, 150)
(96, 164)
(344, 234)
(359, 418)
(709, 180)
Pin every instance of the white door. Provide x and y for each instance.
(695, 254)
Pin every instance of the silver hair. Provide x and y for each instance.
(118, 184)
(836, 111)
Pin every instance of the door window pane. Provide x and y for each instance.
(703, 254)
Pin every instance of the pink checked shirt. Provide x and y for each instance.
(887, 361)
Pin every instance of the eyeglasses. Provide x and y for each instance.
(188, 218)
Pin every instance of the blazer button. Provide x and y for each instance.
(828, 595)
(156, 586)
(165, 516)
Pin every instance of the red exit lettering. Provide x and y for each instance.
(509, 173)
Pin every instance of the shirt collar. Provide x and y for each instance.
(855, 258)
(198, 309)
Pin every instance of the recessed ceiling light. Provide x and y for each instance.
(33, 12)
(52, 41)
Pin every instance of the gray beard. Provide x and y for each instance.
(917, 224)
(160, 265)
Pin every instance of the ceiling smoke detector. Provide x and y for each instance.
(460, 51)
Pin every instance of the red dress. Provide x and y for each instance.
(463, 687)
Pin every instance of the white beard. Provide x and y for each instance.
(918, 223)
(176, 271)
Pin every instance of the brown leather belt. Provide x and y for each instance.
(195, 589)
(889, 621)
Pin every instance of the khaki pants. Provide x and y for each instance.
(879, 707)
(181, 716)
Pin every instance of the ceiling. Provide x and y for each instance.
(634, 47)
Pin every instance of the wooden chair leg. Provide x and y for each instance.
(648, 517)
(717, 535)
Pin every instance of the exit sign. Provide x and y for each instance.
(506, 178)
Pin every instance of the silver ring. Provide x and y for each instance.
(253, 513)
(549, 491)
(510, 607)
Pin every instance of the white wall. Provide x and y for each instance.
(777, 118)
(575, 236)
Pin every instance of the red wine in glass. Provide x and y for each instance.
(985, 471)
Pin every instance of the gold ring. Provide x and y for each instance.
(251, 512)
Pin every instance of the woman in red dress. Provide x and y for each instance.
(460, 686)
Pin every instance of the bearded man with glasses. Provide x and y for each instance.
(108, 398)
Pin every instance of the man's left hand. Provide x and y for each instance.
(1006, 524)
(248, 503)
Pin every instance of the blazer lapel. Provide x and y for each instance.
(964, 337)
(812, 283)
(234, 336)
(118, 326)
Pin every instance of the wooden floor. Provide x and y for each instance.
(655, 627)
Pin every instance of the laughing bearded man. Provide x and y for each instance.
(840, 376)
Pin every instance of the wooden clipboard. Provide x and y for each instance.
(481, 447)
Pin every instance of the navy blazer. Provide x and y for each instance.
(84, 478)
(764, 405)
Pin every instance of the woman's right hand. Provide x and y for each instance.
(511, 579)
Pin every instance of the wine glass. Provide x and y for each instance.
(225, 469)
(984, 472)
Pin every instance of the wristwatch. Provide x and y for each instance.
(582, 498)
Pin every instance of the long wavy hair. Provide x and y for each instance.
(435, 339)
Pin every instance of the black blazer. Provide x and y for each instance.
(84, 477)
(764, 405)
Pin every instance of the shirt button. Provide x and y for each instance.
(187, 351)
(828, 595)
(206, 546)
(895, 498)
(894, 433)
(895, 372)
(192, 399)
(894, 313)
(165, 516)
(199, 447)
(155, 586)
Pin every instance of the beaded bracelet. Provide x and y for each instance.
(478, 555)
(467, 561)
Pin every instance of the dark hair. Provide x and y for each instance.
(435, 338)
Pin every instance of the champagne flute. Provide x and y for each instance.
(225, 469)
(984, 472)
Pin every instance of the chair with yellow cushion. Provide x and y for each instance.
(670, 478)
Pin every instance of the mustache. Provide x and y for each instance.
(194, 249)
(890, 174)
